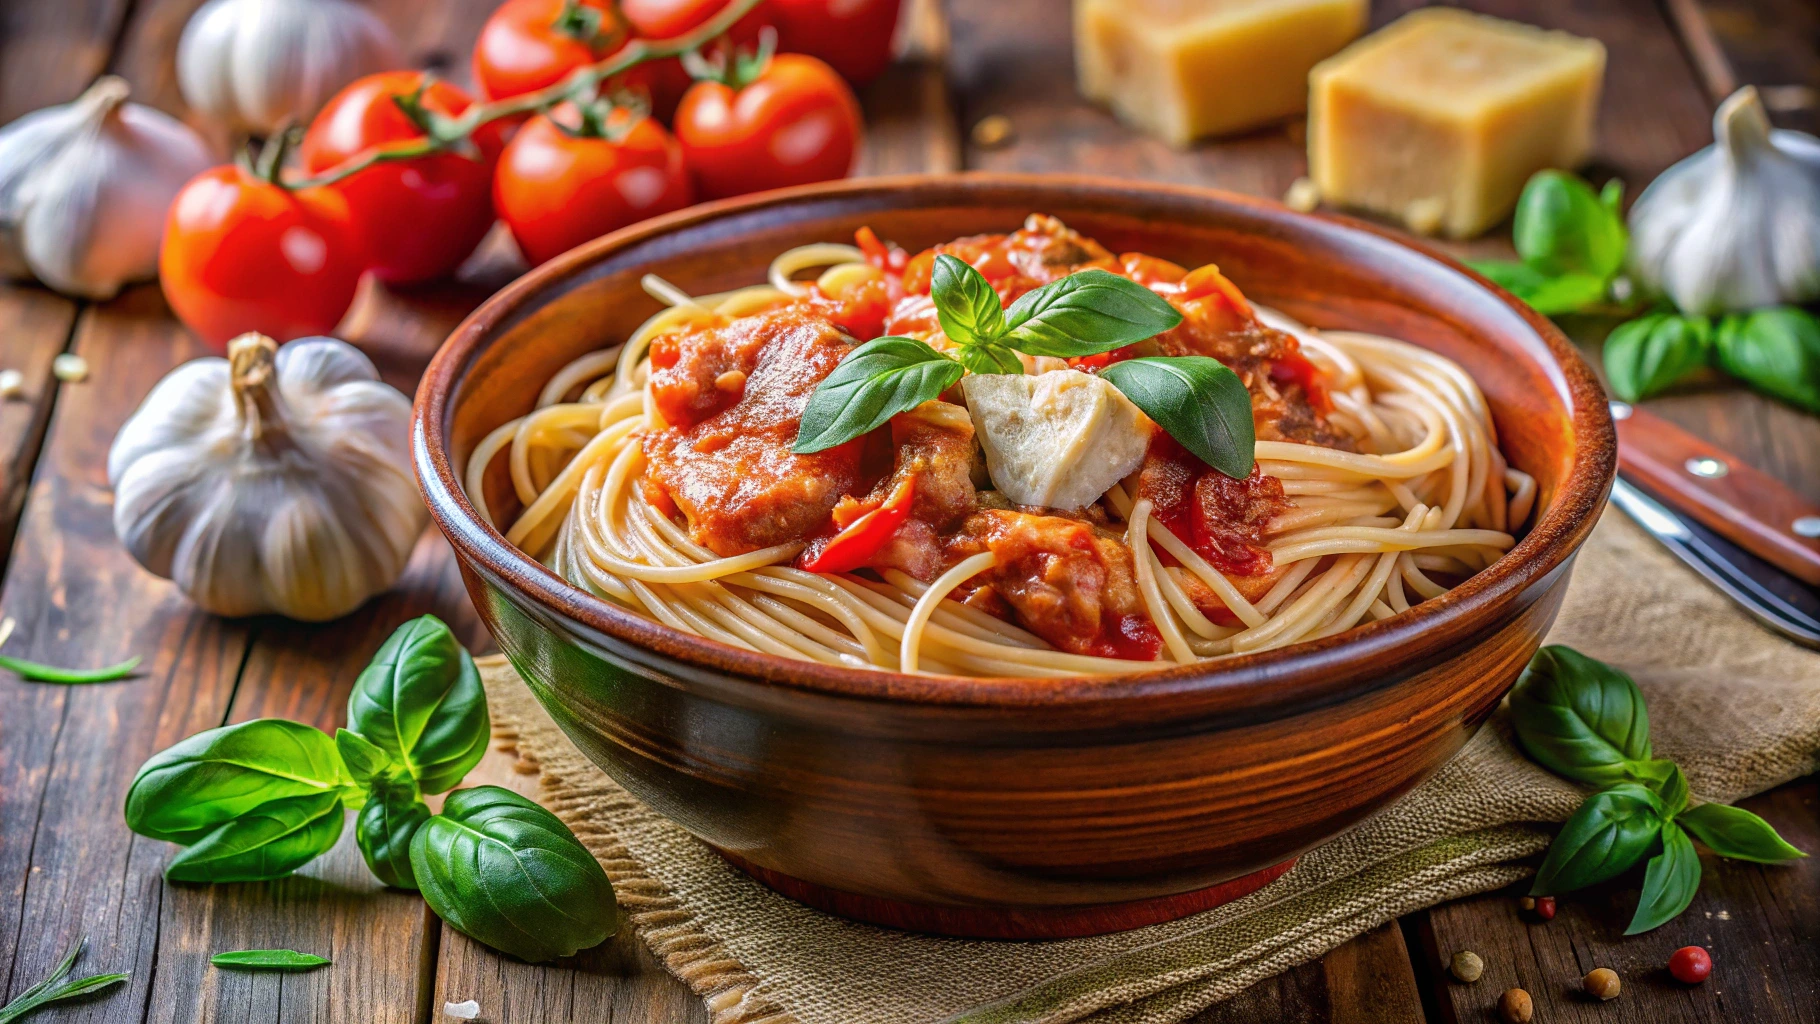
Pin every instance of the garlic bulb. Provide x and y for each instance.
(270, 481)
(1737, 225)
(84, 188)
(254, 64)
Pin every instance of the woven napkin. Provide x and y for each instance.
(1737, 707)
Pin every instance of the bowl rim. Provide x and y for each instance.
(1322, 670)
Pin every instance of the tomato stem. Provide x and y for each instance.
(442, 131)
(270, 165)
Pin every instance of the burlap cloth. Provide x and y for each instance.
(1738, 707)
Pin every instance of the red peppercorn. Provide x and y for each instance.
(1690, 965)
(1545, 907)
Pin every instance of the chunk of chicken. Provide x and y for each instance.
(1059, 439)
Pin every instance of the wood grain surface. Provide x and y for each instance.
(68, 866)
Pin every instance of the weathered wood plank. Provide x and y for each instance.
(1366, 981)
(68, 865)
(1772, 44)
(38, 328)
(50, 51)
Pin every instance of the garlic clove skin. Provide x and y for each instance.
(277, 480)
(1736, 226)
(84, 188)
(252, 65)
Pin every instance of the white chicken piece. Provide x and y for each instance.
(1058, 439)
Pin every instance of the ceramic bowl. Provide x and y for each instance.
(1021, 807)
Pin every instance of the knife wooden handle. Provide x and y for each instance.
(1750, 508)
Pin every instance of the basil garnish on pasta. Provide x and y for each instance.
(1197, 400)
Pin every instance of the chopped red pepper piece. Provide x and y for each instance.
(855, 545)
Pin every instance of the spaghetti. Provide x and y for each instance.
(1415, 497)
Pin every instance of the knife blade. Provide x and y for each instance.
(1771, 596)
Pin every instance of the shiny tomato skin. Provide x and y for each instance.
(417, 219)
(852, 36)
(556, 190)
(797, 123)
(523, 48)
(667, 19)
(241, 254)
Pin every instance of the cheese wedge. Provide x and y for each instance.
(1439, 118)
(1059, 439)
(1185, 69)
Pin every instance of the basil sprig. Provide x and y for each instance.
(1648, 354)
(1571, 241)
(261, 799)
(1776, 351)
(1584, 719)
(1197, 400)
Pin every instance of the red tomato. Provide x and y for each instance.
(855, 545)
(1690, 965)
(795, 123)
(559, 185)
(853, 36)
(416, 219)
(528, 45)
(242, 254)
(667, 19)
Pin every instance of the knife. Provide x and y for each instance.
(1741, 529)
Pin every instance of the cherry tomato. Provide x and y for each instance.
(416, 219)
(793, 121)
(852, 36)
(667, 19)
(528, 45)
(242, 254)
(566, 178)
(1690, 965)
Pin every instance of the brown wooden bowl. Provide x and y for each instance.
(1018, 807)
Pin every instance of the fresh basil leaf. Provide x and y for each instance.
(188, 790)
(1612, 197)
(364, 760)
(965, 302)
(1671, 787)
(507, 873)
(1669, 882)
(1197, 401)
(1611, 831)
(1737, 833)
(989, 359)
(1652, 352)
(1549, 296)
(268, 960)
(384, 829)
(1579, 717)
(1562, 227)
(875, 382)
(270, 841)
(420, 701)
(1776, 351)
(1085, 314)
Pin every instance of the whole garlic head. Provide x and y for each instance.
(1737, 225)
(254, 64)
(270, 481)
(84, 188)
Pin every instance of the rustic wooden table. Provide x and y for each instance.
(69, 867)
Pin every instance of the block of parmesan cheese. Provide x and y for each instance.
(1185, 69)
(1439, 118)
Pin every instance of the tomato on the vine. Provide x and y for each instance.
(772, 121)
(241, 253)
(667, 19)
(417, 219)
(527, 45)
(852, 36)
(578, 172)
